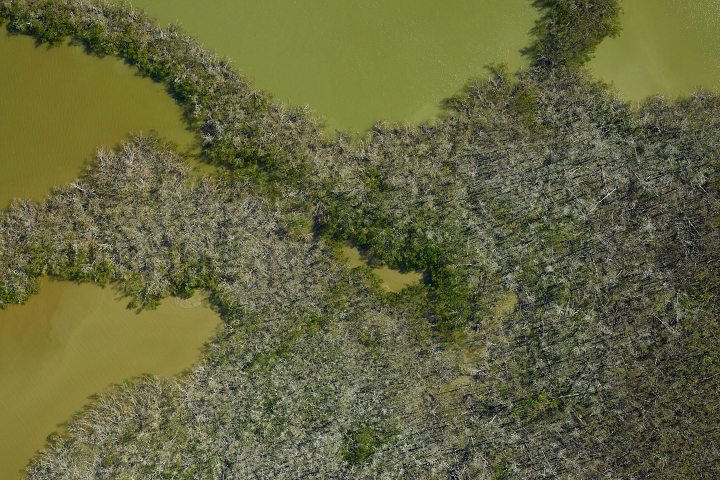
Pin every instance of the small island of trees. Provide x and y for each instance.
(568, 324)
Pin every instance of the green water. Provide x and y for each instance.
(71, 341)
(667, 46)
(392, 280)
(357, 62)
(57, 105)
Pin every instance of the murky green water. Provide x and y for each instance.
(667, 46)
(58, 105)
(356, 62)
(71, 341)
(392, 280)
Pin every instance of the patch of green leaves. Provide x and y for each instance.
(361, 443)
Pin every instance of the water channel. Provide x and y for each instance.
(354, 62)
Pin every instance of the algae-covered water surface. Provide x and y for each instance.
(358, 62)
(665, 47)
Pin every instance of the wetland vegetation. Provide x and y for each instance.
(568, 325)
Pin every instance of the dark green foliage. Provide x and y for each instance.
(52, 22)
(450, 303)
(96, 41)
(399, 246)
(38, 260)
(527, 105)
(568, 31)
(183, 290)
(8, 296)
(362, 442)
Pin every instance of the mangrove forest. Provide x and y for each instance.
(567, 324)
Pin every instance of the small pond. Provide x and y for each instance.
(392, 280)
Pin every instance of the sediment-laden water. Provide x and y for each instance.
(71, 341)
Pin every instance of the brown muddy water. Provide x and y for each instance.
(71, 341)
(58, 105)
